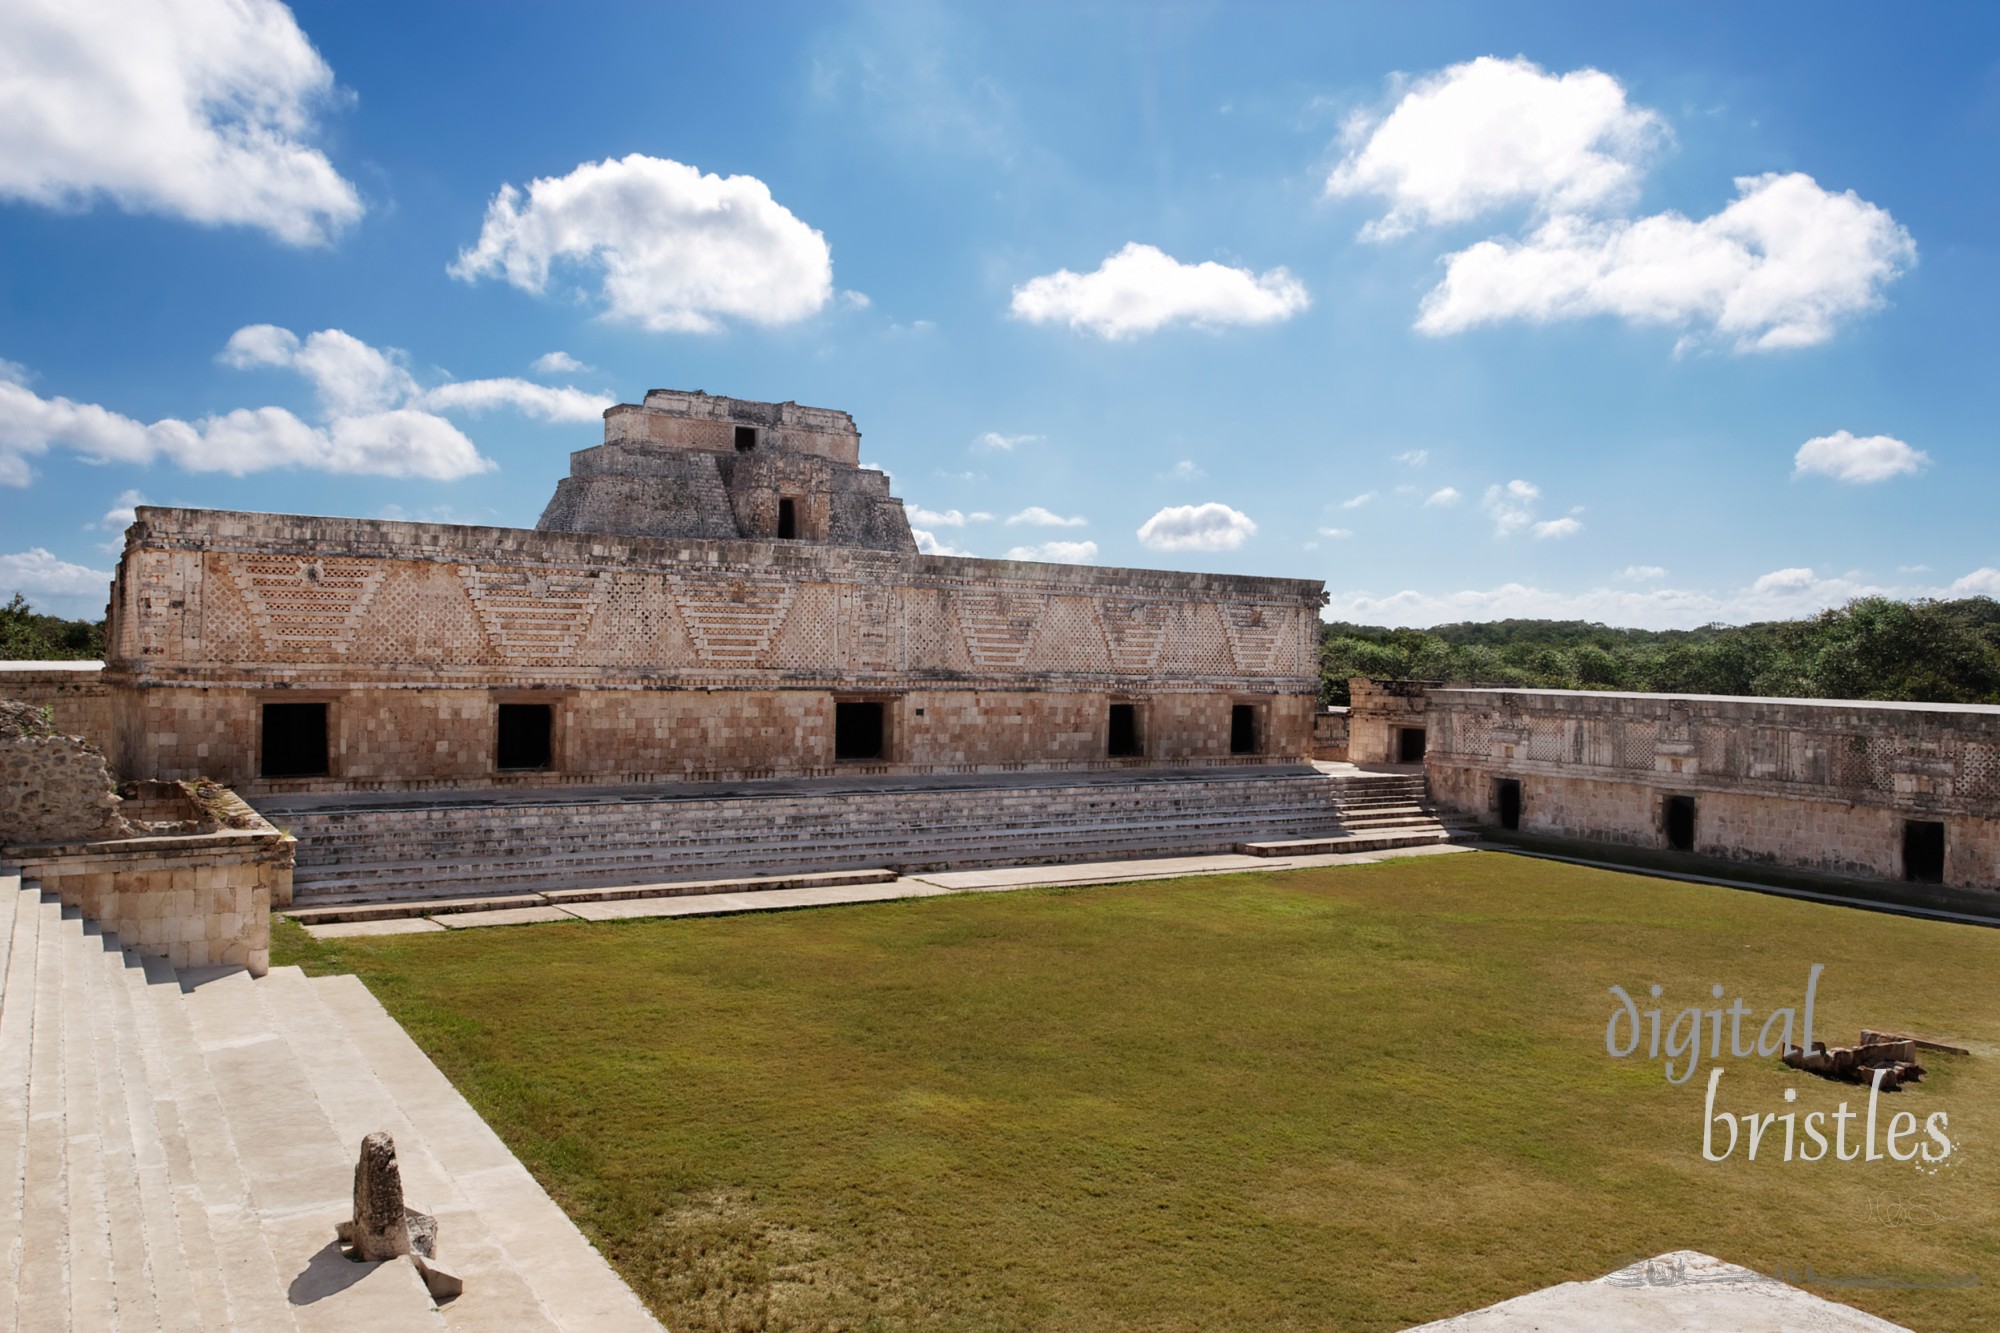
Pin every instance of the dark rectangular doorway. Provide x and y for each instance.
(1124, 742)
(526, 734)
(857, 731)
(1243, 729)
(294, 743)
(1923, 851)
(746, 439)
(1507, 796)
(1680, 823)
(1410, 745)
(788, 519)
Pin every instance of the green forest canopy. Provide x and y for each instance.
(28, 636)
(1872, 648)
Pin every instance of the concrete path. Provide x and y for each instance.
(1682, 1292)
(534, 909)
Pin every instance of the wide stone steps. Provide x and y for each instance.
(414, 849)
(177, 1150)
(549, 874)
(810, 849)
(480, 846)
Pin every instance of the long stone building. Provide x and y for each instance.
(718, 591)
(1862, 789)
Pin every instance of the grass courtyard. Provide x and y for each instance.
(1355, 1098)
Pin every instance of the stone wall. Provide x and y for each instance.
(1330, 734)
(673, 658)
(1378, 711)
(53, 787)
(198, 897)
(1820, 785)
(74, 693)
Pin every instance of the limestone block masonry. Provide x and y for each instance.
(52, 786)
(1878, 790)
(775, 623)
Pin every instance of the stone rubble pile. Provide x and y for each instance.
(1895, 1055)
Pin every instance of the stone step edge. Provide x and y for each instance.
(450, 860)
(316, 916)
(1353, 842)
(367, 881)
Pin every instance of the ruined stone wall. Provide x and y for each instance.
(78, 702)
(1819, 785)
(678, 658)
(52, 786)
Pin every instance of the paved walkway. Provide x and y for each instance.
(1682, 1292)
(535, 909)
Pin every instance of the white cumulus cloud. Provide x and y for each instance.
(993, 439)
(1512, 507)
(198, 109)
(1984, 582)
(1061, 553)
(1491, 133)
(928, 544)
(679, 251)
(1414, 457)
(38, 571)
(375, 417)
(1142, 289)
(1338, 534)
(123, 511)
(1642, 573)
(1782, 266)
(530, 399)
(1858, 459)
(557, 363)
(1781, 594)
(1356, 502)
(1203, 527)
(1557, 527)
(1036, 516)
(1443, 497)
(950, 518)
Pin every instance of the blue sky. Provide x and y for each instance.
(1647, 314)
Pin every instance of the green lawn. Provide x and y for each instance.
(1345, 1099)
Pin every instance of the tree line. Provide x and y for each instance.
(1873, 648)
(26, 635)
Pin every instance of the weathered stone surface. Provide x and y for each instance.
(691, 465)
(441, 1282)
(383, 1227)
(674, 633)
(53, 787)
(1820, 784)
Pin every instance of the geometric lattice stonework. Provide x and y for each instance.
(297, 601)
(1254, 634)
(1135, 631)
(998, 625)
(530, 613)
(731, 618)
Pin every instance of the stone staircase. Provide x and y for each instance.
(1373, 811)
(486, 846)
(182, 1145)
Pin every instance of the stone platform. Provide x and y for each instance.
(1682, 1292)
(383, 848)
(179, 1147)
